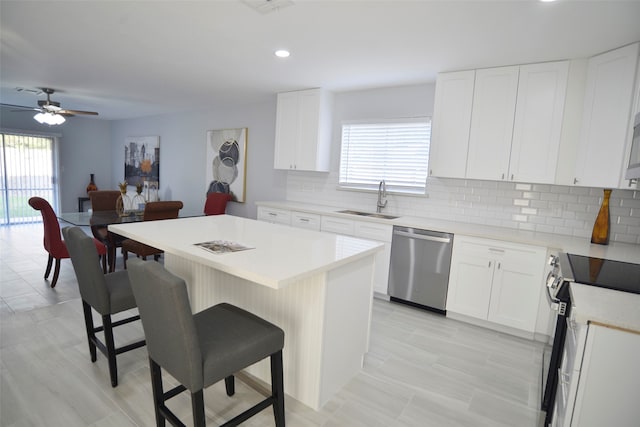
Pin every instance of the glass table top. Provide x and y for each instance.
(86, 219)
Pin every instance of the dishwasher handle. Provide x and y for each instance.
(422, 237)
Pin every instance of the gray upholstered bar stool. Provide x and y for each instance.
(106, 293)
(201, 349)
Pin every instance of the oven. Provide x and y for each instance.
(559, 299)
(583, 271)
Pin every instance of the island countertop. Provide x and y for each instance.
(279, 255)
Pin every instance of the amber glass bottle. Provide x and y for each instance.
(600, 234)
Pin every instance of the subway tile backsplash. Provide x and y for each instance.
(535, 207)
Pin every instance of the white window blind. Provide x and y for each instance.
(395, 151)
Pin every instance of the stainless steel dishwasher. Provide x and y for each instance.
(419, 270)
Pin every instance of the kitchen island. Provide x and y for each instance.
(316, 286)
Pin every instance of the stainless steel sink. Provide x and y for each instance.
(368, 214)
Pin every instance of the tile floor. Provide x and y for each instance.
(422, 369)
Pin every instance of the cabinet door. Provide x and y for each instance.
(517, 281)
(451, 122)
(606, 117)
(309, 118)
(287, 118)
(276, 216)
(609, 379)
(470, 280)
(494, 105)
(337, 225)
(380, 233)
(538, 122)
(305, 220)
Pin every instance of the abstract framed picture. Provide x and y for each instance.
(226, 159)
(142, 160)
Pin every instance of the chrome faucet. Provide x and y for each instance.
(382, 196)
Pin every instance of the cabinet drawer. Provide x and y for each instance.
(278, 216)
(305, 220)
(373, 231)
(337, 225)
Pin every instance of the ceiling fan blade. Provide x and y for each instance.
(20, 107)
(74, 112)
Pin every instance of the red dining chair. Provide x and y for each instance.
(216, 203)
(53, 243)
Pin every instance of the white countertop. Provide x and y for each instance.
(575, 245)
(280, 256)
(606, 306)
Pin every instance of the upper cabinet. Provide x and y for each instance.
(303, 130)
(494, 105)
(499, 123)
(451, 123)
(606, 118)
(538, 122)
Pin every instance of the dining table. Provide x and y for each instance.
(102, 219)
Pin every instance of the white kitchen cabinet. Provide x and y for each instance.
(371, 231)
(494, 105)
(499, 123)
(305, 220)
(599, 377)
(337, 225)
(273, 215)
(606, 118)
(538, 122)
(451, 123)
(380, 233)
(303, 130)
(497, 282)
(517, 122)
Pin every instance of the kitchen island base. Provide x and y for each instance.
(326, 318)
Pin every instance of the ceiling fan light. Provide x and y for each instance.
(49, 119)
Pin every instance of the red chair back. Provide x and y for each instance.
(216, 203)
(52, 239)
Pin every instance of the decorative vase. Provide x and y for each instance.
(138, 201)
(600, 234)
(92, 185)
(123, 202)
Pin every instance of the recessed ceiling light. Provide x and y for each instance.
(547, 1)
(281, 53)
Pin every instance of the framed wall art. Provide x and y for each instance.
(226, 158)
(142, 160)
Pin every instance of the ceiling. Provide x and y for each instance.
(129, 59)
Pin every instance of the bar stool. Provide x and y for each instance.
(201, 349)
(108, 294)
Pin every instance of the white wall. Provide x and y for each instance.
(182, 153)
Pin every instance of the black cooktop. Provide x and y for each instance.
(604, 273)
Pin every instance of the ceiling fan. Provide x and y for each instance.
(50, 112)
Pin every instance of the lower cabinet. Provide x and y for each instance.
(305, 220)
(496, 281)
(371, 231)
(598, 378)
(276, 216)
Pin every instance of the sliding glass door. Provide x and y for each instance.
(28, 167)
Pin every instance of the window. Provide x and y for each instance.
(395, 151)
(27, 169)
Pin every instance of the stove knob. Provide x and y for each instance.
(553, 260)
(553, 281)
